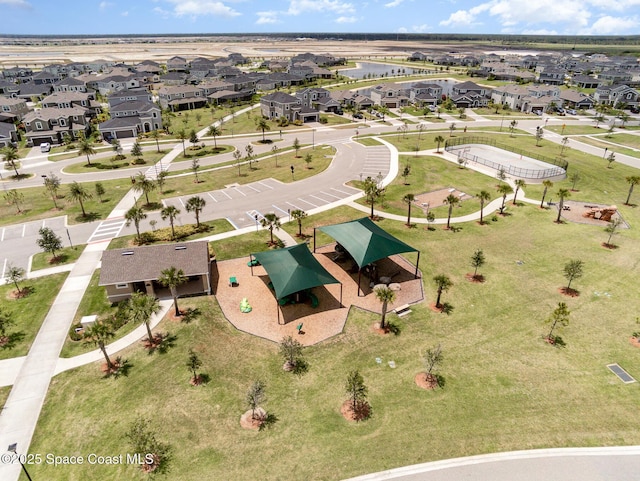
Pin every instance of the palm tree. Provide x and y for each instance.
(299, 214)
(141, 308)
(98, 334)
(170, 212)
(504, 189)
(547, 183)
(263, 125)
(632, 180)
(10, 155)
(520, 183)
(144, 185)
(85, 148)
(409, 198)
(270, 221)
(385, 295)
(563, 194)
(195, 204)
(214, 131)
(443, 283)
(135, 215)
(52, 184)
(15, 274)
(172, 278)
(483, 197)
(79, 194)
(438, 140)
(451, 200)
(182, 135)
(155, 135)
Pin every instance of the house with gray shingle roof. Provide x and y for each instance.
(125, 271)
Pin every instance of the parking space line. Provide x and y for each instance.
(212, 197)
(338, 190)
(266, 185)
(276, 207)
(225, 193)
(306, 202)
(319, 198)
(180, 199)
(24, 229)
(3, 230)
(4, 268)
(238, 190)
(294, 206)
(252, 188)
(330, 195)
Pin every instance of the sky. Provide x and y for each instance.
(533, 17)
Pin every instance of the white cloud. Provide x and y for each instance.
(608, 25)
(346, 19)
(513, 12)
(162, 12)
(420, 28)
(394, 3)
(461, 17)
(195, 8)
(296, 7)
(124, 14)
(403, 30)
(267, 17)
(542, 31)
(105, 5)
(16, 3)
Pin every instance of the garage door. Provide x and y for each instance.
(124, 134)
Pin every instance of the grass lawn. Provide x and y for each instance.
(503, 382)
(148, 158)
(192, 152)
(37, 203)
(28, 312)
(67, 255)
(183, 233)
(241, 246)
(263, 169)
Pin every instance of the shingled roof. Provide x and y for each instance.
(146, 263)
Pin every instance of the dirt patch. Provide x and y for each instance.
(248, 422)
(436, 198)
(569, 292)
(609, 246)
(362, 412)
(574, 211)
(477, 278)
(24, 292)
(635, 341)
(426, 381)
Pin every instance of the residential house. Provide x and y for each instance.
(64, 100)
(318, 99)
(50, 124)
(177, 63)
(389, 95)
(616, 95)
(585, 82)
(173, 78)
(13, 108)
(137, 269)
(17, 74)
(31, 91)
(131, 118)
(8, 134)
(279, 104)
(551, 76)
(129, 95)
(615, 76)
(70, 84)
(182, 97)
(575, 100)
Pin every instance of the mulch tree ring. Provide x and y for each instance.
(24, 292)
(196, 381)
(363, 411)
(175, 318)
(478, 278)
(426, 380)
(635, 341)
(154, 342)
(116, 367)
(569, 292)
(382, 331)
(4, 340)
(609, 246)
(435, 308)
(248, 422)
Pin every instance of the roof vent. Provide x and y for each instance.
(181, 248)
(127, 253)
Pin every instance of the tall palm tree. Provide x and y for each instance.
(547, 183)
(98, 334)
(172, 278)
(299, 214)
(483, 197)
(141, 308)
(438, 140)
(144, 185)
(451, 200)
(10, 155)
(562, 194)
(384, 295)
(271, 222)
(520, 183)
(135, 214)
(182, 135)
(79, 194)
(443, 283)
(214, 131)
(155, 135)
(86, 148)
(408, 199)
(170, 212)
(195, 204)
(504, 190)
(263, 125)
(632, 180)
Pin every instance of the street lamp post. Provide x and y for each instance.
(256, 218)
(12, 449)
(605, 152)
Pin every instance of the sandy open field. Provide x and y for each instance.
(41, 51)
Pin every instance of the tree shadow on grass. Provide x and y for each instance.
(394, 329)
(122, 367)
(88, 217)
(13, 339)
(300, 367)
(160, 343)
(191, 314)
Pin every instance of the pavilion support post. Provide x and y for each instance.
(278, 311)
(415, 276)
(359, 274)
(314, 240)
(341, 295)
(251, 263)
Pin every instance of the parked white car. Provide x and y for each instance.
(45, 147)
